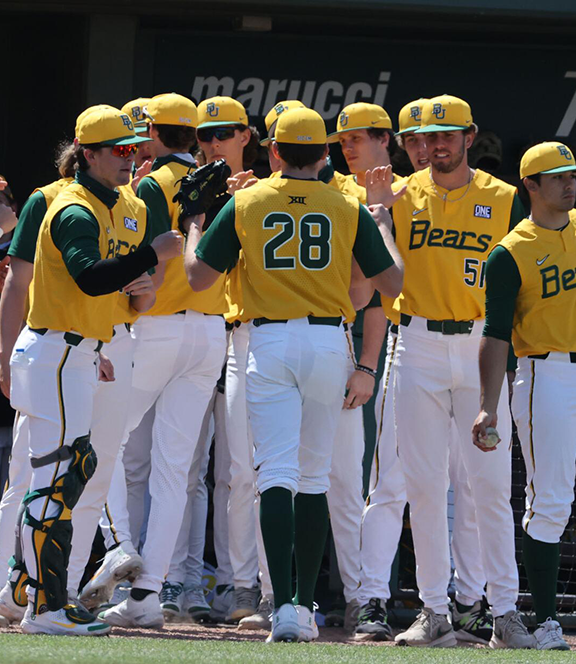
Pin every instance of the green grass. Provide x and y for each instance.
(25, 649)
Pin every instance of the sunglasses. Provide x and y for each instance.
(124, 151)
(206, 134)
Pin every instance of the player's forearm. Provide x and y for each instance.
(373, 337)
(200, 275)
(493, 358)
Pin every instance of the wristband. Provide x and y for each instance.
(370, 372)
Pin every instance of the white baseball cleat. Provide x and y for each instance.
(171, 600)
(430, 629)
(9, 610)
(307, 623)
(549, 636)
(260, 619)
(285, 625)
(70, 620)
(510, 632)
(196, 608)
(120, 563)
(221, 603)
(131, 612)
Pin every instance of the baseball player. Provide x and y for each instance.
(179, 354)
(382, 519)
(297, 355)
(73, 302)
(446, 223)
(529, 277)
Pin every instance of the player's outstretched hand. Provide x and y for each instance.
(241, 180)
(8, 219)
(167, 245)
(359, 389)
(479, 434)
(379, 187)
(381, 215)
(144, 169)
(105, 369)
(142, 285)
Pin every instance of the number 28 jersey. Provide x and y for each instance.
(445, 244)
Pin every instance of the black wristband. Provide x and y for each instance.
(370, 372)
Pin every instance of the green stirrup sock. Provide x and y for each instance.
(311, 517)
(541, 561)
(277, 523)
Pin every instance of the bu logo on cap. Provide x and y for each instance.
(438, 111)
(136, 112)
(415, 113)
(565, 152)
(127, 122)
(343, 119)
(212, 110)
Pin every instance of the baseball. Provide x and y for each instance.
(492, 438)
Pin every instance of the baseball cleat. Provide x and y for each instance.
(244, 603)
(372, 624)
(131, 612)
(71, 620)
(120, 563)
(171, 599)
(285, 625)
(221, 603)
(351, 615)
(335, 615)
(549, 636)
(260, 619)
(510, 632)
(196, 608)
(472, 624)
(430, 629)
(9, 610)
(307, 623)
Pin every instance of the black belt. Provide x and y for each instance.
(442, 326)
(313, 320)
(544, 356)
(71, 338)
(394, 328)
(231, 326)
(183, 311)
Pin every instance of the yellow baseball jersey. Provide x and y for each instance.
(56, 302)
(295, 263)
(445, 244)
(50, 191)
(346, 184)
(175, 294)
(545, 310)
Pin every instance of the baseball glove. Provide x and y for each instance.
(199, 189)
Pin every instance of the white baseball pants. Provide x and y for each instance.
(436, 376)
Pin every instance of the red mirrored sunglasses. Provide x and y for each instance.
(124, 150)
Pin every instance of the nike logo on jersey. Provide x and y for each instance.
(415, 212)
(539, 262)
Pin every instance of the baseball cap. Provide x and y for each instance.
(273, 115)
(410, 116)
(221, 112)
(301, 126)
(360, 116)
(135, 110)
(107, 126)
(89, 110)
(548, 157)
(172, 109)
(445, 113)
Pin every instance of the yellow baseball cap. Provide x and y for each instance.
(445, 113)
(410, 116)
(172, 109)
(548, 157)
(301, 126)
(107, 126)
(89, 110)
(273, 115)
(221, 112)
(360, 116)
(135, 110)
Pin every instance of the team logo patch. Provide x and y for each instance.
(438, 111)
(304, 138)
(131, 224)
(300, 200)
(280, 108)
(127, 122)
(212, 110)
(137, 112)
(483, 211)
(415, 113)
(563, 150)
(343, 119)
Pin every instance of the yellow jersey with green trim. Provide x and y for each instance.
(346, 184)
(444, 238)
(175, 294)
(50, 191)
(545, 309)
(56, 302)
(295, 262)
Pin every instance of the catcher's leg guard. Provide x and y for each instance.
(51, 536)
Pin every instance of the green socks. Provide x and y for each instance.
(312, 523)
(541, 561)
(277, 523)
